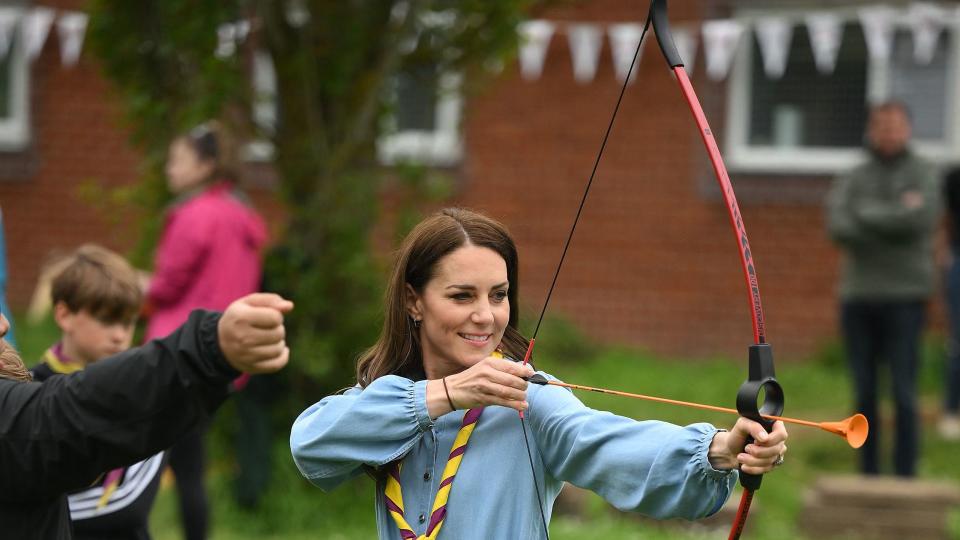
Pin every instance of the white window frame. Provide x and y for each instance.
(15, 129)
(442, 146)
(743, 157)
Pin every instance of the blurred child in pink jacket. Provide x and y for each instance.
(209, 255)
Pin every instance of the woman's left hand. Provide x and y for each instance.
(729, 449)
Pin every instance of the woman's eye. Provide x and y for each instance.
(500, 296)
(461, 296)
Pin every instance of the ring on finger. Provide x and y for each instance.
(779, 461)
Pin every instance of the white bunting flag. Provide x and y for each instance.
(226, 40)
(36, 28)
(9, 17)
(229, 35)
(623, 46)
(242, 30)
(877, 22)
(774, 35)
(826, 32)
(71, 27)
(534, 41)
(926, 21)
(720, 40)
(686, 43)
(585, 42)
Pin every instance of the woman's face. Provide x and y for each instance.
(185, 169)
(463, 310)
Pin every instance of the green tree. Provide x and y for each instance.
(335, 63)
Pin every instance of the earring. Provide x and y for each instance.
(416, 323)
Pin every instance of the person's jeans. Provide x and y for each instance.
(188, 458)
(951, 403)
(889, 331)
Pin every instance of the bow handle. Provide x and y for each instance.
(761, 384)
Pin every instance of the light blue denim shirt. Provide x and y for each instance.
(652, 467)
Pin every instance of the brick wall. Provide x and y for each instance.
(77, 142)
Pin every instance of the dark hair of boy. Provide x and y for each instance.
(100, 282)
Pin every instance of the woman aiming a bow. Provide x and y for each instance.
(433, 413)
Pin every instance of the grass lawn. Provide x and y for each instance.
(817, 390)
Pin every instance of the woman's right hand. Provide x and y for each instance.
(492, 381)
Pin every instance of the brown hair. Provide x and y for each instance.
(210, 141)
(11, 366)
(397, 351)
(97, 280)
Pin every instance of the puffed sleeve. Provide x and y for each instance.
(334, 438)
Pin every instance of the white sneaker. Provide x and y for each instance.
(949, 427)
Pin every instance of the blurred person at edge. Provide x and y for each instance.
(60, 435)
(883, 215)
(949, 425)
(4, 308)
(209, 255)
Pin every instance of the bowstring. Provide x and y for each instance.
(566, 247)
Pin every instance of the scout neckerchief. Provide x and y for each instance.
(394, 495)
(61, 364)
(58, 362)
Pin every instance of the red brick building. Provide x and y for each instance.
(75, 140)
(654, 260)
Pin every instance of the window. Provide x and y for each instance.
(808, 122)
(14, 96)
(424, 126)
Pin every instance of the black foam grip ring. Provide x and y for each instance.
(761, 380)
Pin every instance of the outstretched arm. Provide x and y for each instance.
(651, 467)
(59, 435)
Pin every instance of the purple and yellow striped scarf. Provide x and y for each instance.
(394, 495)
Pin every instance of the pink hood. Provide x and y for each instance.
(209, 255)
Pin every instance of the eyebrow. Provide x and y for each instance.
(473, 288)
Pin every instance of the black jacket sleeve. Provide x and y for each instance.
(61, 434)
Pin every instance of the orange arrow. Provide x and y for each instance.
(853, 429)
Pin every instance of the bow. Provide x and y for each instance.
(761, 380)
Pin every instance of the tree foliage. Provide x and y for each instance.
(335, 63)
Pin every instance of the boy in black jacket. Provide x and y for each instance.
(96, 298)
(60, 435)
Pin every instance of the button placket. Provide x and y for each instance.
(427, 500)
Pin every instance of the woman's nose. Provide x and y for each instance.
(483, 314)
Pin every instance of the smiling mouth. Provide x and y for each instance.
(476, 338)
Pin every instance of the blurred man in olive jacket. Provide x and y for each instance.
(882, 215)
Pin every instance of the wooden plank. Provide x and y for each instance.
(886, 492)
(878, 508)
(901, 519)
(823, 530)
